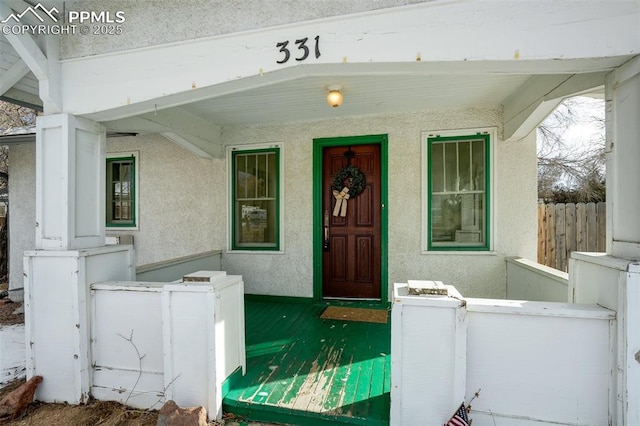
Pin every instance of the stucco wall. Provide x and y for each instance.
(166, 21)
(290, 274)
(183, 202)
(177, 214)
(22, 208)
(180, 211)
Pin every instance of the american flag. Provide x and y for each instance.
(460, 418)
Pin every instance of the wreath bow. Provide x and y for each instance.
(341, 202)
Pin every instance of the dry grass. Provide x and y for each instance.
(94, 413)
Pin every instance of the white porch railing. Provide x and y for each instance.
(537, 363)
(529, 280)
(152, 342)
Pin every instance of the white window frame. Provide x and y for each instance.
(136, 159)
(250, 147)
(493, 214)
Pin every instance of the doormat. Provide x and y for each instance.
(356, 314)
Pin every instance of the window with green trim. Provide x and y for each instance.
(458, 192)
(255, 199)
(121, 192)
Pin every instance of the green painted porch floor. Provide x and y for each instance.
(303, 370)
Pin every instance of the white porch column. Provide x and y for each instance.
(622, 90)
(70, 255)
(70, 183)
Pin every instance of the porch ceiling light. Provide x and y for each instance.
(334, 97)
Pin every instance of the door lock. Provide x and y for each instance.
(325, 240)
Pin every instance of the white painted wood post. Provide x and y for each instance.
(622, 92)
(70, 222)
(631, 366)
(203, 337)
(428, 357)
(188, 329)
(70, 183)
(57, 326)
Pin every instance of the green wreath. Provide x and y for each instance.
(350, 177)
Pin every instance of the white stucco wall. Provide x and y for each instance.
(177, 215)
(22, 208)
(165, 21)
(183, 203)
(291, 273)
(180, 212)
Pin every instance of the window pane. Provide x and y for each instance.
(478, 157)
(437, 167)
(120, 192)
(457, 219)
(115, 167)
(445, 217)
(451, 167)
(255, 223)
(272, 183)
(246, 176)
(464, 166)
(457, 193)
(255, 205)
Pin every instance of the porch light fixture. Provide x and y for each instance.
(334, 97)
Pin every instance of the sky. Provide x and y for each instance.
(586, 128)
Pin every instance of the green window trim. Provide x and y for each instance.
(478, 191)
(121, 211)
(256, 221)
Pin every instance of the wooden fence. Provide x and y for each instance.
(563, 228)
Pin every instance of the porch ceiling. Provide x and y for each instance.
(17, 83)
(299, 93)
(304, 99)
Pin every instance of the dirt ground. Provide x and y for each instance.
(94, 413)
(103, 413)
(7, 317)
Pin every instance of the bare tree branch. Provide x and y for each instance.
(570, 170)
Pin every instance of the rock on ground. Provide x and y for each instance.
(172, 415)
(14, 403)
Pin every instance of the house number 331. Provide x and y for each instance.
(301, 46)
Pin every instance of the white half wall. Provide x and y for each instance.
(529, 280)
(532, 363)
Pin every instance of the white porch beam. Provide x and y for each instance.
(50, 89)
(185, 123)
(539, 97)
(193, 133)
(195, 145)
(33, 101)
(411, 39)
(135, 125)
(12, 76)
(45, 68)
